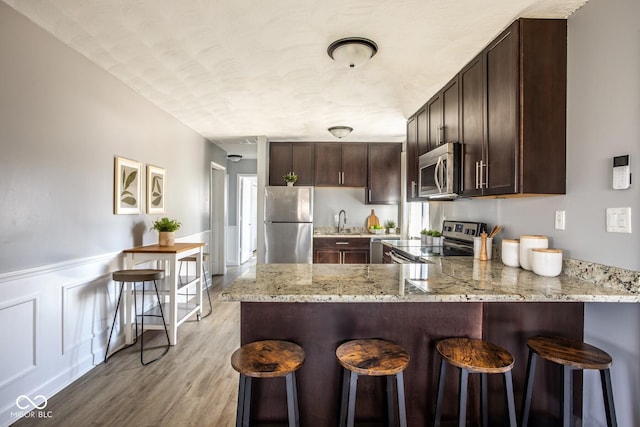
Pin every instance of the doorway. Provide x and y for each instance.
(247, 216)
(218, 218)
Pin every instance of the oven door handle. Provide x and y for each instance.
(465, 248)
(397, 260)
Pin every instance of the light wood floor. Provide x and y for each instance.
(193, 385)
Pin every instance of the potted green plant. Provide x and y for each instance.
(390, 225)
(290, 179)
(166, 230)
(436, 238)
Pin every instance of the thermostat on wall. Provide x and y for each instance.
(621, 173)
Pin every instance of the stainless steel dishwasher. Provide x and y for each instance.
(375, 248)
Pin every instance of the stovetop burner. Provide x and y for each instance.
(457, 241)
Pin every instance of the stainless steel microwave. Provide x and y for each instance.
(440, 172)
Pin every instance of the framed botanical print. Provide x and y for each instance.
(126, 186)
(156, 178)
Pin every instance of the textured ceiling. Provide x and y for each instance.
(235, 69)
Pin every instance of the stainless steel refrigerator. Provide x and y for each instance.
(288, 225)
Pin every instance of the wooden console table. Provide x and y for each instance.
(167, 258)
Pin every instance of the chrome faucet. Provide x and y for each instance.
(345, 219)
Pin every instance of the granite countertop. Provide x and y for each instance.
(350, 232)
(350, 235)
(444, 279)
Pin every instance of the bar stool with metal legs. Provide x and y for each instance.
(372, 357)
(572, 355)
(205, 277)
(267, 359)
(474, 356)
(135, 276)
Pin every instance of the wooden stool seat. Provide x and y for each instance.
(476, 356)
(572, 355)
(142, 275)
(268, 359)
(372, 357)
(135, 276)
(193, 258)
(566, 351)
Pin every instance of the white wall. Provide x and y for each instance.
(603, 120)
(62, 121)
(329, 201)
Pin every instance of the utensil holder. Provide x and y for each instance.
(478, 245)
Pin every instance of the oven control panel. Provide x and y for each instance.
(463, 230)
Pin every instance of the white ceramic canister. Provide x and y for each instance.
(527, 243)
(546, 262)
(511, 252)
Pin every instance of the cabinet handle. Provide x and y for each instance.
(342, 243)
(369, 194)
(486, 175)
(476, 175)
(441, 135)
(482, 181)
(413, 189)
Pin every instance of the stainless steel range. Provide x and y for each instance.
(457, 241)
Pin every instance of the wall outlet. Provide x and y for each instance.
(559, 220)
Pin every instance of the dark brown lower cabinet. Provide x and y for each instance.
(330, 250)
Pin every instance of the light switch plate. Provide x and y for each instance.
(619, 220)
(560, 220)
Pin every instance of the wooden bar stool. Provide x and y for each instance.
(267, 359)
(136, 276)
(372, 357)
(572, 355)
(205, 278)
(476, 357)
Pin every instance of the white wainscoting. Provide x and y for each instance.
(232, 245)
(55, 324)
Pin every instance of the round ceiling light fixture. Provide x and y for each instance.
(234, 157)
(352, 51)
(340, 131)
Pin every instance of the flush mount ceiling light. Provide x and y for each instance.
(352, 51)
(340, 131)
(234, 157)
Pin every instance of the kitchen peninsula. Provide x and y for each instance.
(320, 306)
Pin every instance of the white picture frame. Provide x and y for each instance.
(156, 189)
(126, 187)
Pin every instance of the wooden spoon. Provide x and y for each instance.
(494, 232)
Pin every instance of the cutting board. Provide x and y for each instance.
(372, 219)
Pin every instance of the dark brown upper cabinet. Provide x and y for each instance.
(412, 159)
(422, 123)
(513, 112)
(443, 116)
(384, 174)
(341, 165)
(285, 157)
